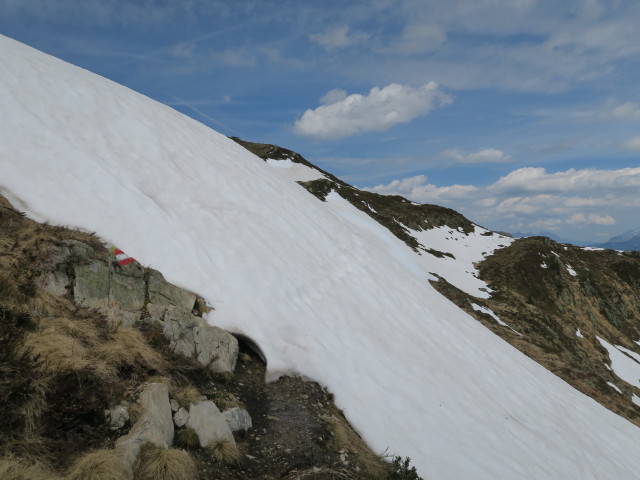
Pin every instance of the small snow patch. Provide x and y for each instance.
(624, 363)
(480, 308)
(544, 265)
(635, 399)
(571, 271)
(579, 334)
(614, 387)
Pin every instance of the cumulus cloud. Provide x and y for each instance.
(532, 198)
(338, 37)
(532, 179)
(418, 189)
(380, 110)
(487, 155)
(333, 96)
(591, 219)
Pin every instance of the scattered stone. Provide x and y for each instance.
(117, 416)
(210, 425)
(155, 424)
(238, 419)
(175, 406)
(180, 417)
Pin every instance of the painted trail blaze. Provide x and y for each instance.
(122, 258)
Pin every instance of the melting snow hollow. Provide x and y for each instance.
(313, 285)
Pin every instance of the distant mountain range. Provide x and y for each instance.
(629, 240)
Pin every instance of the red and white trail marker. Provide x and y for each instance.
(122, 258)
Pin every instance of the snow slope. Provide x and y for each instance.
(324, 292)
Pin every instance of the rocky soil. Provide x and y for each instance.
(101, 359)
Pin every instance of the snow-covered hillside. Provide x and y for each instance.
(326, 292)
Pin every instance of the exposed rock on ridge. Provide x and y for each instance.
(132, 293)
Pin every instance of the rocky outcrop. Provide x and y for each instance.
(131, 293)
(193, 337)
(154, 426)
(210, 425)
(238, 419)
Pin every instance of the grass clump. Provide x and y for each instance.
(127, 348)
(101, 464)
(225, 452)
(165, 464)
(187, 396)
(187, 438)
(401, 469)
(14, 468)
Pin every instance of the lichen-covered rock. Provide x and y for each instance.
(56, 281)
(210, 425)
(238, 419)
(155, 424)
(127, 288)
(194, 337)
(163, 293)
(126, 294)
(92, 284)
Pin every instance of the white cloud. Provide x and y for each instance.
(338, 37)
(531, 198)
(235, 58)
(183, 50)
(591, 219)
(633, 143)
(333, 96)
(417, 38)
(380, 110)
(487, 155)
(626, 111)
(417, 189)
(532, 179)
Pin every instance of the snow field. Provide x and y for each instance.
(325, 291)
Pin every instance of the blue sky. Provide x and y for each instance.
(523, 115)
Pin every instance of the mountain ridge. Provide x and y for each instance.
(325, 292)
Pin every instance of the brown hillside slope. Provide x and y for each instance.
(62, 365)
(544, 306)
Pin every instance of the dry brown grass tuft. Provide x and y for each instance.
(62, 348)
(225, 451)
(346, 439)
(98, 465)
(63, 345)
(187, 395)
(165, 464)
(45, 304)
(14, 468)
(187, 438)
(128, 347)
